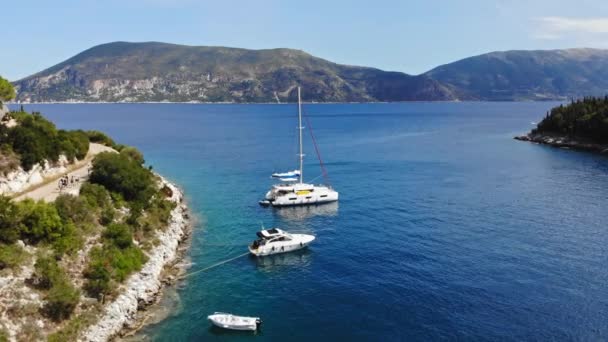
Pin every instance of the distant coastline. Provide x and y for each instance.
(275, 103)
(581, 125)
(564, 142)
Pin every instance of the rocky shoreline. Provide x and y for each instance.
(563, 142)
(143, 288)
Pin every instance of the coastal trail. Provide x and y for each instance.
(49, 190)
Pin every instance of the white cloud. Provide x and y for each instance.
(559, 27)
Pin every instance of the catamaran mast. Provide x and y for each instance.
(300, 128)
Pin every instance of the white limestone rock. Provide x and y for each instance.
(143, 287)
(20, 180)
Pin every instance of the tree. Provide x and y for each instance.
(7, 92)
(74, 209)
(123, 175)
(40, 221)
(46, 273)
(62, 296)
(98, 197)
(119, 235)
(61, 301)
(9, 219)
(133, 154)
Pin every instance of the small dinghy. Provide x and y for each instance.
(230, 321)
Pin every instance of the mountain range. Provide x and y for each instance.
(151, 71)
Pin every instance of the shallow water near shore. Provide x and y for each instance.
(447, 228)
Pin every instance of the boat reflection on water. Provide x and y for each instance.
(217, 331)
(298, 213)
(276, 262)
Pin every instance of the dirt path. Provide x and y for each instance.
(49, 190)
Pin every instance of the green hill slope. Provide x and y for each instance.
(165, 72)
(527, 75)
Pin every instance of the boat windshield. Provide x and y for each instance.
(258, 242)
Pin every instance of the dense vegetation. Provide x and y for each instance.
(62, 297)
(586, 118)
(7, 92)
(118, 209)
(35, 139)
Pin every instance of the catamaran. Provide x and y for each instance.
(293, 190)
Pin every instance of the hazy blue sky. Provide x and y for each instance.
(408, 36)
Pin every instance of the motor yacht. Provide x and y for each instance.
(275, 241)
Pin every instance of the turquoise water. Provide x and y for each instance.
(447, 228)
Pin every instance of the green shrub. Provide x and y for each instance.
(74, 209)
(157, 214)
(74, 144)
(47, 273)
(133, 154)
(119, 235)
(39, 221)
(125, 261)
(27, 145)
(12, 256)
(36, 139)
(9, 160)
(109, 265)
(9, 220)
(69, 331)
(100, 138)
(95, 195)
(3, 335)
(124, 176)
(7, 92)
(62, 299)
(98, 274)
(98, 198)
(70, 240)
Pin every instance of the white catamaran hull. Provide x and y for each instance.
(286, 195)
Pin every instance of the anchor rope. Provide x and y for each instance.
(213, 266)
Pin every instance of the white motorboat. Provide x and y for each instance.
(230, 321)
(274, 241)
(293, 190)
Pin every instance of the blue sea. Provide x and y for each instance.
(446, 229)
